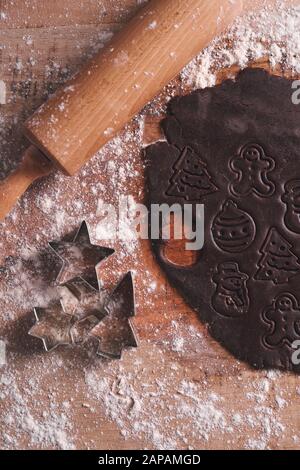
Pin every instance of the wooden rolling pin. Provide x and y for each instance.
(97, 102)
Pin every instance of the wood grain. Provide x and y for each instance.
(36, 14)
(118, 82)
(68, 41)
(34, 166)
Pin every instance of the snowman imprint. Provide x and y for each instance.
(252, 167)
(233, 229)
(231, 297)
(291, 198)
(283, 319)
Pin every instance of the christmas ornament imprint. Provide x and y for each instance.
(233, 229)
(53, 326)
(248, 131)
(231, 297)
(116, 331)
(252, 167)
(80, 258)
(190, 179)
(283, 320)
(278, 262)
(291, 198)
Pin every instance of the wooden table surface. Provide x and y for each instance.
(201, 397)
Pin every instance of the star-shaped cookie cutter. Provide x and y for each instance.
(87, 305)
(80, 257)
(53, 326)
(110, 324)
(82, 316)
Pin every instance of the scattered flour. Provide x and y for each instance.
(149, 404)
(2, 92)
(46, 425)
(156, 395)
(272, 34)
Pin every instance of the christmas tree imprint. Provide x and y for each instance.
(283, 320)
(278, 263)
(191, 179)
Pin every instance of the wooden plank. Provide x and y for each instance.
(39, 14)
(67, 40)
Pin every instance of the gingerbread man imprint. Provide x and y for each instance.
(283, 319)
(252, 167)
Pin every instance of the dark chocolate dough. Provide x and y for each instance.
(236, 149)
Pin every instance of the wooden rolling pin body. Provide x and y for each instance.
(120, 80)
(115, 85)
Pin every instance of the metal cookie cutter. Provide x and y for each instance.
(53, 326)
(80, 257)
(110, 325)
(115, 332)
(83, 314)
(69, 320)
(88, 308)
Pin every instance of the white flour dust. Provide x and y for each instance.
(156, 396)
(271, 34)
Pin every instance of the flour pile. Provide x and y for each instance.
(271, 34)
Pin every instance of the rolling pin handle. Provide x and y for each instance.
(34, 165)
